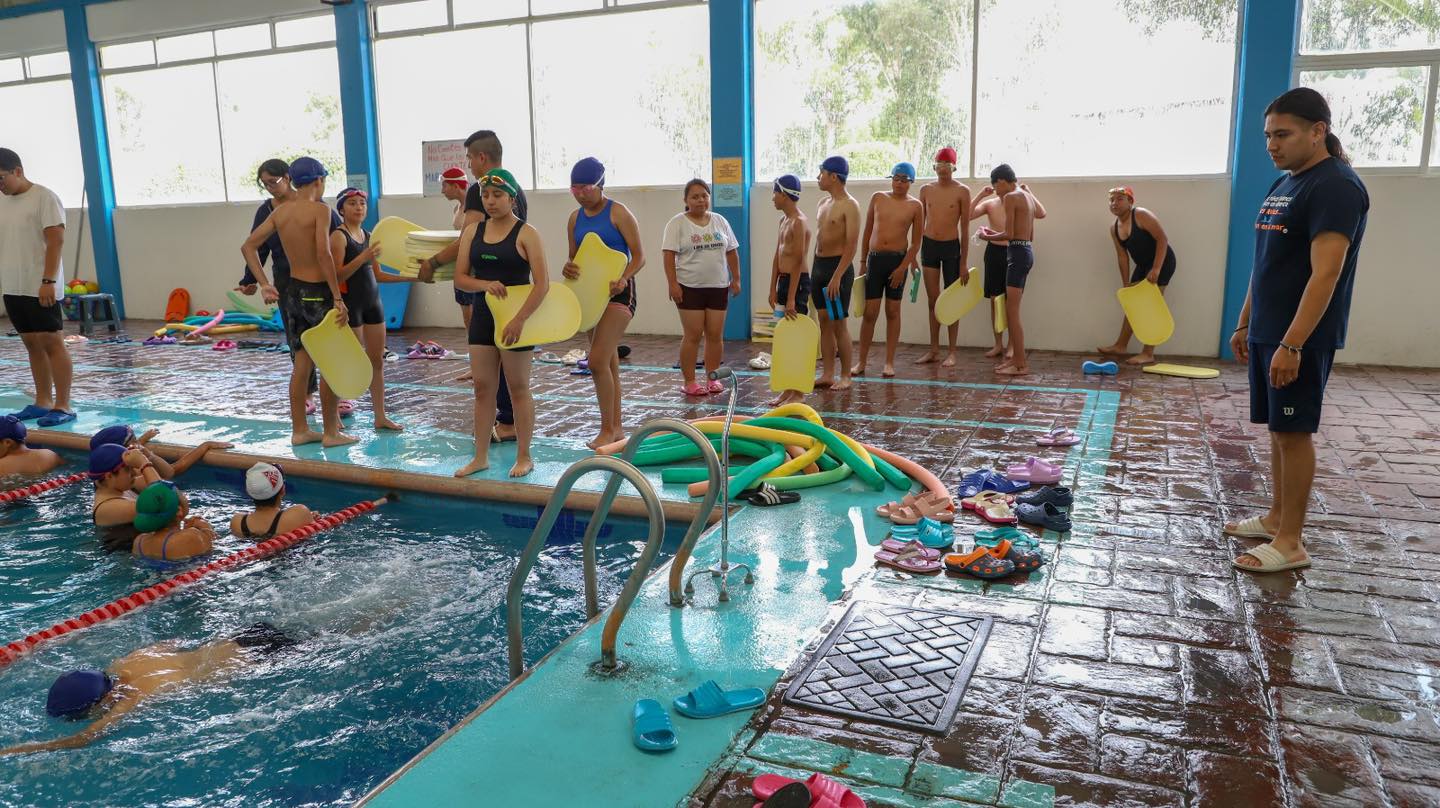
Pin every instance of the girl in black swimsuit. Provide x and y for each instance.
(1141, 244)
(360, 288)
(496, 254)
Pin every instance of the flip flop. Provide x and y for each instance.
(1035, 470)
(985, 497)
(710, 701)
(652, 729)
(793, 795)
(909, 560)
(225, 345)
(549, 358)
(1024, 560)
(979, 563)
(694, 389)
(768, 494)
(992, 536)
(824, 792)
(936, 535)
(55, 418)
(1099, 368)
(996, 512)
(898, 546)
(1271, 560)
(75, 339)
(1251, 528)
(572, 356)
(1059, 436)
(992, 480)
(347, 408)
(761, 362)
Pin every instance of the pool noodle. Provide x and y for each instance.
(214, 321)
(747, 478)
(913, 470)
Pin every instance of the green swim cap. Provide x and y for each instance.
(502, 179)
(156, 506)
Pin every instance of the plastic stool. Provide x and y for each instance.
(90, 309)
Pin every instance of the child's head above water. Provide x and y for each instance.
(265, 483)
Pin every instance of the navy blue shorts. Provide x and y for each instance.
(1295, 407)
(464, 298)
(802, 292)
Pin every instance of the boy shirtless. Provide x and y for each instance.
(893, 225)
(313, 291)
(16, 457)
(1019, 210)
(789, 282)
(944, 250)
(837, 224)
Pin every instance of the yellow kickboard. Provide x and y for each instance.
(793, 350)
(339, 356)
(1183, 371)
(857, 298)
(959, 298)
(391, 234)
(1146, 310)
(998, 302)
(599, 267)
(557, 319)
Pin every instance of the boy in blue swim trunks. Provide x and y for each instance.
(789, 282)
(894, 225)
(1020, 209)
(837, 226)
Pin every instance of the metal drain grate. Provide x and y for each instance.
(894, 665)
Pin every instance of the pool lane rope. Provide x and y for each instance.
(40, 488)
(115, 608)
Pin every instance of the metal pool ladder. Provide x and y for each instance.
(617, 468)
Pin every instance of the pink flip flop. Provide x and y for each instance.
(909, 560)
(1059, 436)
(897, 546)
(225, 345)
(694, 389)
(347, 408)
(1035, 470)
(824, 792)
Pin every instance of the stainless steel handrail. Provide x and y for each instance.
(697, 525)
(615, 466)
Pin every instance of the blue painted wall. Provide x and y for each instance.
(732, 135)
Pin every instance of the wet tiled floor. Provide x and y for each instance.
(1136, 668)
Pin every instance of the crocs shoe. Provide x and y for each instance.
(979, 563)
(1057, 495)
(1047, 516)
(1024, 560)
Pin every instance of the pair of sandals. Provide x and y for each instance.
(909, 556)
(153, 341)
(992, 506)
(768, 495)
(429, 350)
(346, 407)
(988, 563)
(816, 791)
(989, 480)
(44, 418)
(225, 345)
(761, 362)
(1059, 436)
(652, 730)
(1036, 471)
(698, 389)
(911, 508)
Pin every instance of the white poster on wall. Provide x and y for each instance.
(435, 157)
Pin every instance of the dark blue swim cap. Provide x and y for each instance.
(588, 171)
(106, 458)
(836, 165)
(119, 433)
(788, 184)
(12, 428)
(75, 692)
(306, 170)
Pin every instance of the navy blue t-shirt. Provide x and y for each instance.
(1328, 197)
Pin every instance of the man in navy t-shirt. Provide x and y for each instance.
(1307, 237)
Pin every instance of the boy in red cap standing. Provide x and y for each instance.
(944, 253)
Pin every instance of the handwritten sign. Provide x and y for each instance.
(728, 171)
(435, 157)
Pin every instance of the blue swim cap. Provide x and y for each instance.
(119, 433)
(106, 458)
(903, 170)
(306, 170)
(836, 165)
(75, 692)
(588, 171)
(789, 184)
(12, 428)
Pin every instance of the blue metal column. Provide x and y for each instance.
(94, 153)
(732, 136)
(1268, 37)
(362, 134)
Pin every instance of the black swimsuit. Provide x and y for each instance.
(269, 532)
(501, 262)
(1141, 246)
(361, 291)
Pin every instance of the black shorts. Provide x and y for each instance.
(822, 271)
(464, 298)
(362, 311)
(694, 298)
(944, 255)
(27, 316)
(482, 325)
(1296, 406)
(1019, 258)
(995, 263)
(264, 638)
(303, 306)
(627, 299)
(802, 293)
(879, 268)
(1167, 271)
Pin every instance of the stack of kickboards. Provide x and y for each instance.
(425, 243)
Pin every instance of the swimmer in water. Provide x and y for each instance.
(118, 473)
(134, 678)
(167, 531)
(265, 483)
(16, 457)
(124, 435)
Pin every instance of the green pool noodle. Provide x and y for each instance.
(753, 472)
(846, 455)
(894, 476)
(826, 462)
(689, 451)
(691, 474)
(835, 475)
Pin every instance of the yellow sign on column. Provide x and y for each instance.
(728, 171)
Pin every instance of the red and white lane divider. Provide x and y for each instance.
(40, 488)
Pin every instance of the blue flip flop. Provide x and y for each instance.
(992, 536)
(709, 700)
(995, 481)
(653, 731)
(31, 412)
(1101, 368)
(55, 418)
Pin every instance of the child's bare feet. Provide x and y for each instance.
(858, 370)
(824, 382)
(477, 465)
(386, 423)
(1113, 350)
(949, 360)
(302, 438)
(843, 384)
(605, 439)
(787, 397)
(338, 439)
(888, 372)
(1013, 370)
(929, 358)
(1141, 359)
(523, 465)
(994, 353)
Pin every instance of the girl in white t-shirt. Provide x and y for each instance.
(702, 264)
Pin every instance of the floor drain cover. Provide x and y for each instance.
(893, 665)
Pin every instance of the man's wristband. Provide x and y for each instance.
(1241, 328)
(1290, 348)
(47, 281)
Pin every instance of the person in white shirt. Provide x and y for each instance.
(32, 235)
(702, 264)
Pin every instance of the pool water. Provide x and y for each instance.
(400, 615)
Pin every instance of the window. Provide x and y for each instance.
(196, 132)
(879, 81)
(1373, 60)
(407, 16)
(48, 64)
(652, 128)
(12, 70)
(130, 54)
(40, 126)
(428, 88)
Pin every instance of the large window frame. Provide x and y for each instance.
(528, 21)
(1427, 58)
(29, 76)
(214, 60)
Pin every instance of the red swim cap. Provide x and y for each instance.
(454, 175)
(946, 155)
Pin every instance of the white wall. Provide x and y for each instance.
(1069, 304)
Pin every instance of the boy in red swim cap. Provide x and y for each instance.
(944, 252)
